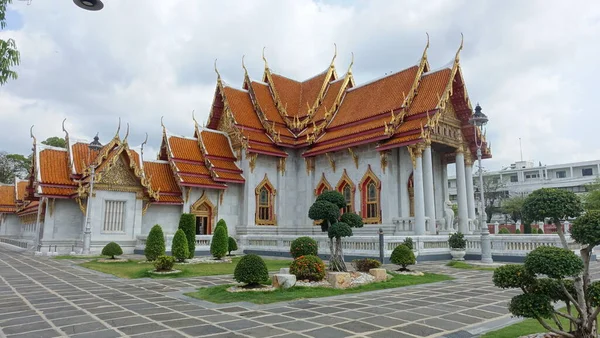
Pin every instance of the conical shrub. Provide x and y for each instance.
(179, 249)
(232, 245)
(155, 243)
(187, 223)
(220, 240)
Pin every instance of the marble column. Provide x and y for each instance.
(428, 188)
(419, 193)
(470, 190)
(461, 191)
(445, 182)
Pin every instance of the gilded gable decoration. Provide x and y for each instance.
(252, 161)
(310, 164)
(322, 186)
(354, 158)
(383, 157)
(331, 161)
(281, 165)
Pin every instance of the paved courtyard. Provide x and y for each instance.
(42, 297)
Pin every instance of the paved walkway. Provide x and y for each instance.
(42, 297)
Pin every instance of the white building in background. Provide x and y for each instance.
(523, 177)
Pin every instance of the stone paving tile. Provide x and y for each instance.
(327, 332)
(202, 330)
(297, 326)
(186, 322)
(418, 330)
(37, 334)
(262, 331)
(98, 334)
(83, 328)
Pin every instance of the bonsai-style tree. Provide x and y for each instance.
(555, 204)
(220, 240)
(155, 243)
(232, 245)
(187, 223)
(179, 248)
(112, 249)
(327, 210)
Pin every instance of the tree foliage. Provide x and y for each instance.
(403, 256)
(494, 193)
(327, 210)
(252, 270)
(155, 243)
(555, 204)
(513, 206)
(55, 141)
(220, 240)
(187, 223)
(232, 245)
(112, 249)
(179, 248)
(9, 55)
(303, 246)
(591, 200)
(13, 165)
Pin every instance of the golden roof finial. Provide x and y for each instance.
(162, 124)
(142, 150)
(31, 134)
(118, 129)
(264, 58)
(457, 57)
(334, 54)
(244, 66)
(64, 129)
(351, 63)
(217, 71)
(194, 117)
(126, 134)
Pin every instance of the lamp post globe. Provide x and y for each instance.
(478, 120)
(93, 148)
(89, 5)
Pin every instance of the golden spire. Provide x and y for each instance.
(194, 118)
(457, 57)
(264, 58)
(126, 134)
(31, 134)
(64, 129)
(118, 129)
(334, 55)
(162, 124)
(244, 66)
(424, 61)
(142, 150)
(351, 63)
(217, 71)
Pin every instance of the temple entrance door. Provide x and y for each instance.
(202, 225)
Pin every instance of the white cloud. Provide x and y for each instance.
(530, 64)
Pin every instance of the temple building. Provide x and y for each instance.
(267, 150)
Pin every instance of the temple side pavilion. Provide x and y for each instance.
(267, 150)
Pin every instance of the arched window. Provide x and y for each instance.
(203, 210)
(265, 203)
(322, 186)
(370, 188)
(347, 188)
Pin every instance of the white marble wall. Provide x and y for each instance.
(167, 216)
(9, 224)
(64, 223)
(132, 221)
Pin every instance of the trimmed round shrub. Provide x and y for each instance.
(551, 288)
(220, 241)
(512, 276)
(155, 243)
(403, 256)
(112, 249)
(353, 220)
(517, 231)
(554, 262)
(586, 228)
(232, 245)
(365, 264)
(504, 231)
(409, 243)
(252, 270)
(304, 246)
(457, 241)
(540, 231)
(533, 231)
(308, 267)
(334, 197)
(531, 305)
(339, 230)
(179, 249)
(187, 223)
(325, 211)
(593, 293)
(164, 263)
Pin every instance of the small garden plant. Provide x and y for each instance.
(457, 241)
(164, 263)
(252, 271)
(308, 267)
(409, 243)
(303, 246)
(403, 256)
(232, 245)
(155, 243)
(220, 241)
(112, 249)
(504, 231)
(365, 264)
(179, 249)
(187, 223)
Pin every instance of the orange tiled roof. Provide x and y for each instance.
(195, 168)
(329, 99)
(185, 149)
(266, 103)
(266, 149)
(82, 156)
(224, 164)
(431, 88)
(241, 107)
(54, 167)
(161, 177)
(56, 191)
(203, 181)
(402, 139)
(29, 208)
(7, 198)
(170, 199)
(216, 144)
(228, 176)
(21, 187)
(354, 140)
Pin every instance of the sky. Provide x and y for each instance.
(532, 65)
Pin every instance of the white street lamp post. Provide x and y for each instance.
(479, 119)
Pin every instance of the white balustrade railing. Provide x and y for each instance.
(502, 245)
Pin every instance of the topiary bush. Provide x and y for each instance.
(408, 242)
(232, 245)
(187, 223)
(164, 263)
(517, 231)
(220, 241)
(513, 276)
(112, 249)
(533, 231)
(155, 243)
(304, 246)
(457, 241)
(252, 270)
(586, 228)
(308, 267)
(403, 256)
(540, 231)
(504, 231)
(365, 264)
(179, 248)
(553, 262)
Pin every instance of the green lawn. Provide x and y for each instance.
(78, 257)
(528, 326)
(218, 294)
(134, 269)
(467, 266)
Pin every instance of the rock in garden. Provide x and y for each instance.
(284, 281)
(379, 274)
(339, 280)
(285, 271)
